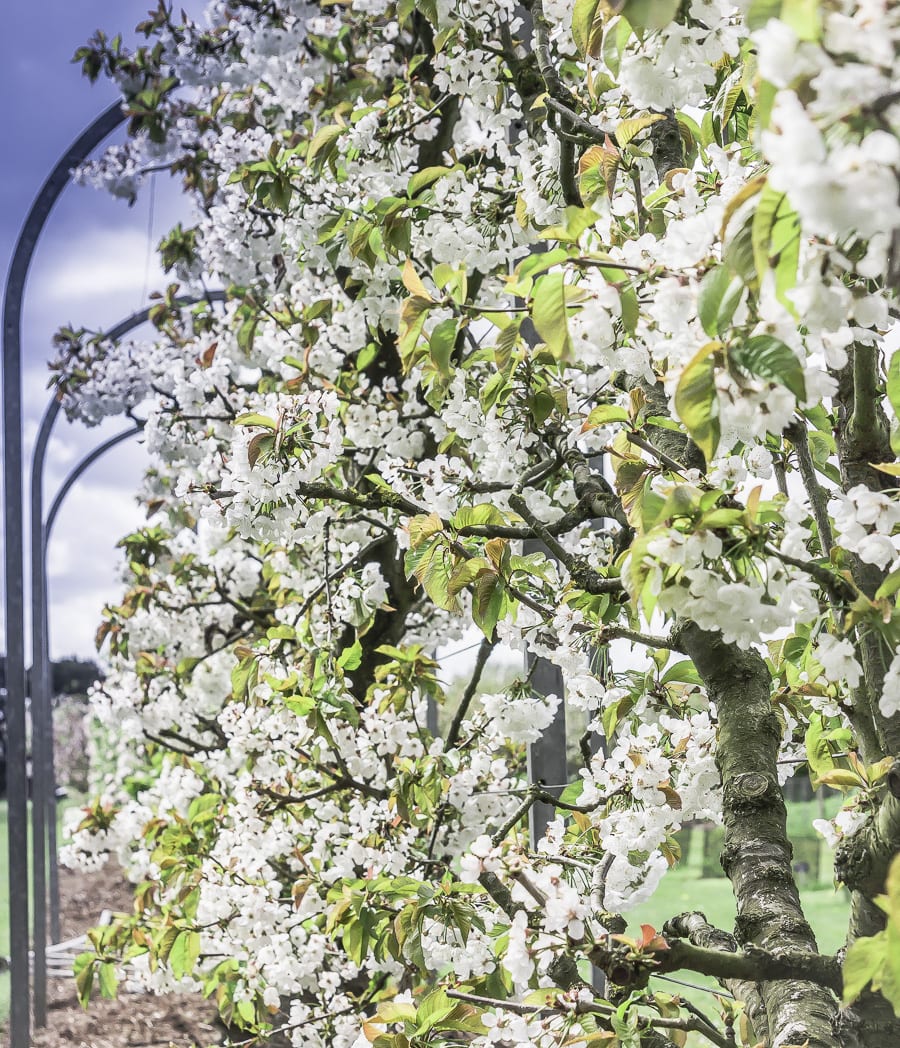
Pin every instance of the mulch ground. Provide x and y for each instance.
(133, 1020)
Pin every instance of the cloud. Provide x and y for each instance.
(84, 565)
(100, 264)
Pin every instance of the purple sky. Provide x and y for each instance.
(92, 268)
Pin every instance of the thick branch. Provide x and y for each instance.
(862, 860)
(700, 932)
(757, 853)
(748, 966)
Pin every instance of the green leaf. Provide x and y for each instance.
(893, 382)
(864, 961)
(647, 15)
(184, 953)
(628, 303)
(426, 177)
(84, 976)
(770, 201)
(350, 658)
(804, 17)
(575, 221)
(548, 312)
(738, 255)
(251, 418)
(587, 23)
(818, 750)
(522, 280)
(572, 792)
(891, 468)
(476, 516)
(323, 143)
(769, 358)
(244, 676)
(441, 344)
(413, 314)
(466, 573)
(720, 292)
(615, 37)
(627, 129)
(435, 581)
(423, 527)
(696, 401)
(682, 672)
(889, 586)
(106, 976)
(775, 238)
(435, 1007)
(761, 11)
(840, 779)
(246, 1010)
(605, 413)
(487, 602)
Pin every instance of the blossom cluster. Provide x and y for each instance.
(583, 377)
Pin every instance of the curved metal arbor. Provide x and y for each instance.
(19, 1020)
(13, 517)
(45, 872)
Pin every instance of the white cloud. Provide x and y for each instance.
(84, 565)
(99, 264)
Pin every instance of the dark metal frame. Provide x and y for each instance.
(44, 806)
(45, 869)
(17, 783)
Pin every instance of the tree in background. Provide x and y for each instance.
(610, 279)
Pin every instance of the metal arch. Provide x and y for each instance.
(17, 786)
(45, 871)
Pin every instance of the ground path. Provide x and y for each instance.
(132, 1021)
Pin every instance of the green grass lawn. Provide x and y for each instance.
(826, 909)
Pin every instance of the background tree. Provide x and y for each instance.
(613, 278)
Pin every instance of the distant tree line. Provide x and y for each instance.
(71, 676)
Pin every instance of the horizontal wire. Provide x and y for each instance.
(694, 986)
(461, 651)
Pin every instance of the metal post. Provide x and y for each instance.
(40, 689)
(19, 1019)
(547, 762)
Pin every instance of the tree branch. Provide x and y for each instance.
(862, 860)
(728, 963)
(484, 653)
(757, 853)
(796, 433)
(692, 1024)
(589, 580)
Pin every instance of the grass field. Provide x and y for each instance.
(826, 910)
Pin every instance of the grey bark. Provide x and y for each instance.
(757, 853)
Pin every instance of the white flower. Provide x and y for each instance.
(889, 703)
(838, 659)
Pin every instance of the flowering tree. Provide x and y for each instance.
(565, 319)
